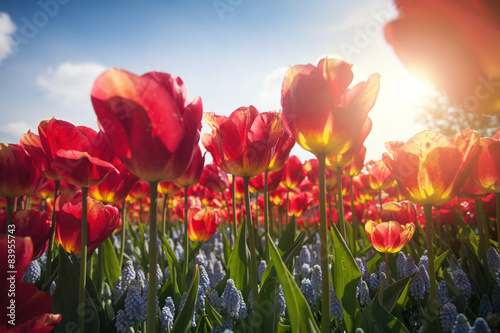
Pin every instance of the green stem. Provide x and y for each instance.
(380, 203)
(100, 270)
(253, 255)
(266, 214)
(123, 232)
(484, 237)
(153, 248)
(48, 266)
(186, 238)
(163, 216)
(354, 219)
(340, 206)
(387, 272)
(228, 216)
(325, 298)
(429, 230)
(329, 199)
(83, 263)
(235, 227)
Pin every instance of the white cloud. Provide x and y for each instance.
(7, 28)
(12, 131)
(70, 83)
(270, 95)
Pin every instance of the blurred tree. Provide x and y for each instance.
(439, 113)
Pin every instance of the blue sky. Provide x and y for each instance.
(229, 52)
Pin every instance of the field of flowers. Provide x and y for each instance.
(128, 229)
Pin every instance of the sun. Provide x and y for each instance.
(410, 89)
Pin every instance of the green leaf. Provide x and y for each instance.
(212, 313)
(239, 262)
(346, 275)
(375, 318)
(373, 261)
(226, 247)
(439, 260)
(479, 273)
(392, 292)
(301, 318)
(184, 320)
(65, 299)
(112, 268)
(431, 321)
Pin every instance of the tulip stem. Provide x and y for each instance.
(497, 198)
(266, 213)
(380, 203)
(48, 265)
(325, 283)
(329, 199)
(163, 216)
(340, 205)
(228, 217)
(153, 252)
(484, 237)
(83, 262)
(100, 270)
(186, 238)
(123, 232)
(387, 272)
(235, 228)
(253, 256)
(429, 230)
(354, 219)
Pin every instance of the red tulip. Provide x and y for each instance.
(32, 307)
(15, 256)
(357, 164)
(283, 148)
(168, 188)
(389, 237)
(214, 178)
(312, 172)
(81, 169)
(298, 202)
(202, 223)
(471, 191)
(139, 191)
(273, 181)
(403, 212)
(116, 186)
(321, 113)
(30, 223)
(341, 161)
(244, 143)
(293, 173)
(486, 167)
(453, 44)
(102, 220)
(379, 175)
(193, 172)
(18, 174)
(55, 135)
(148, 121)
(430, 168)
